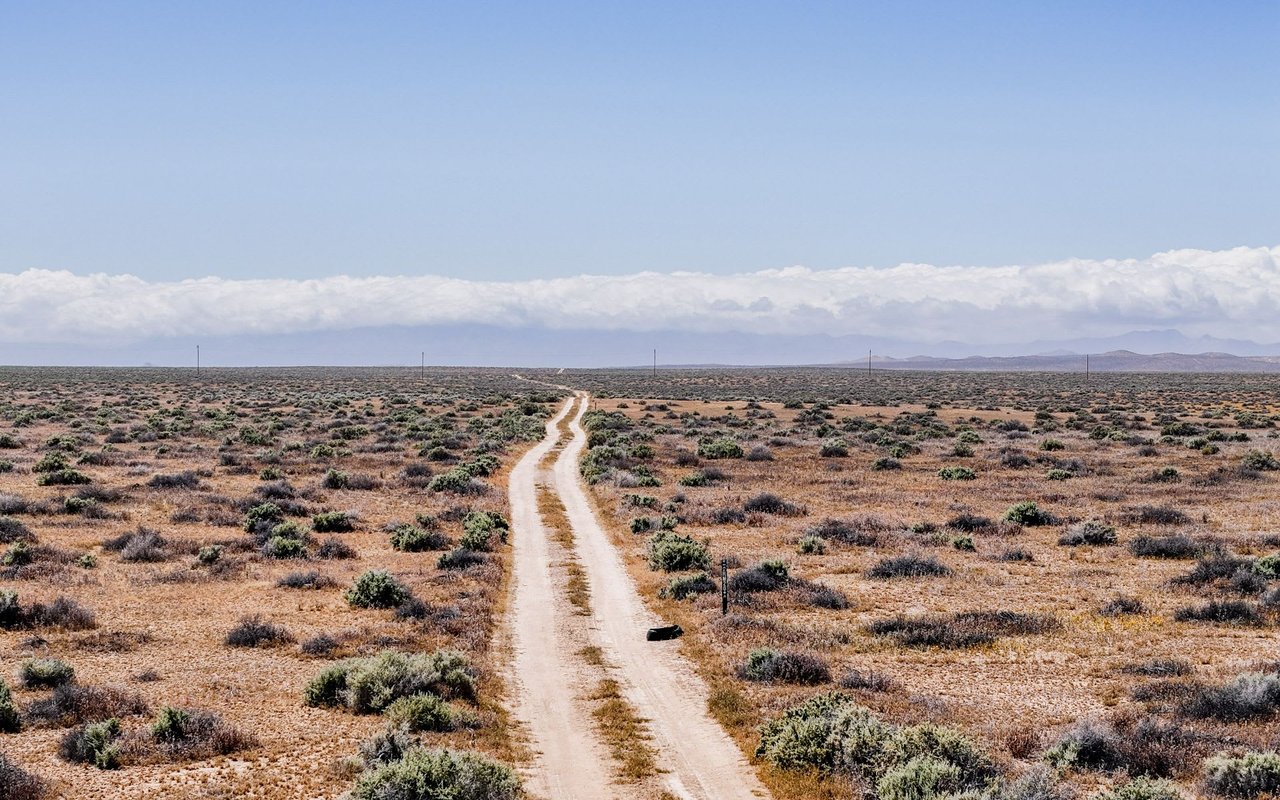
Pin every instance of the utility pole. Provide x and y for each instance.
(422, 367)
(655, 362)
(1086, 366)
(197, 360)
(868, 362)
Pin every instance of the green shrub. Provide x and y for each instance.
(957, 474)
(683, 586)
(928, 740)
(412, 539)
(10, 720)
(456, 480)
(45, 673)
(1052, 444)
(64, 477)
(377, 589)
(921, 778)
(95, 743)
(19, 554)
(723, 447)
(263, 516)
(209, 554)
(1260, 460)
(1029, 514)
(421, 712)
(438, 775)
(672, 552)
(812, 545)
(170, 724)
(333, 522)
(479, 529)
(368, 685)
(828, 732)
(1251, 775)
(284, 547)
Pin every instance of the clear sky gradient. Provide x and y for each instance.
(514, 140)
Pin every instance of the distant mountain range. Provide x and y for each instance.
(494, 345)
(1112, 361)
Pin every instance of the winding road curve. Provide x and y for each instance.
(698, 759)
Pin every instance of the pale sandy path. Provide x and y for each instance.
(702, 762)
(569, 763)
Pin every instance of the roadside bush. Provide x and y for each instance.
(438, 775)
(683, 586)
(254, 632)
(908, 566)
(1253, 774)
(377, 589)
(828, 732)
(921, 778)
(368, 685)
(673, 552)
(770, 666)
(421, 712)
(1029, 514)
(957, 474)
(1091, 532)
(45, 673)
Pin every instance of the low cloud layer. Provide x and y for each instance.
(1231, 293)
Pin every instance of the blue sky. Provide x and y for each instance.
(513, 141)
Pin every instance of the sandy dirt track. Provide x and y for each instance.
(698, 759)
(568, 761)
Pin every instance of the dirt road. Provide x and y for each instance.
(699, 761)
(568, 760)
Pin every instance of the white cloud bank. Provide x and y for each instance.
(1226, 293)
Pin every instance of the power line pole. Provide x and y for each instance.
(422, 367)
(868, 362)
(1086, 366)
(197, 360)
(655, 362)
